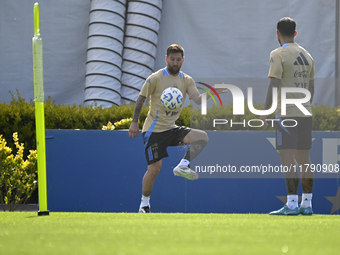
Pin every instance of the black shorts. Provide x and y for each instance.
(155, 144)
(298, 137)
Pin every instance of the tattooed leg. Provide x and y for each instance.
(307, 177)
(292, 177)
(195, 149)
(197, 139)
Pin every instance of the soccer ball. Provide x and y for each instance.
(172, 99)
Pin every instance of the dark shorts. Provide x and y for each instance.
(298, 137)
(155, 144)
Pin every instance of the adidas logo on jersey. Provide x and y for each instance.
(301, 60)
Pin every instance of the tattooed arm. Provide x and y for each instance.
(134, 128)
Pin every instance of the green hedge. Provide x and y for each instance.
(18, 116)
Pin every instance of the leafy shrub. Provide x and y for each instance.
(18, 116)
(325, 118)
(122, 124)
(18, 177)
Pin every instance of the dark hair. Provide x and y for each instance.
(174, 48)
(286, 27)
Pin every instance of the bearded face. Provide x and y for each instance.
(174, 62)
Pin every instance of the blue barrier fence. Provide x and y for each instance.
(102, 171)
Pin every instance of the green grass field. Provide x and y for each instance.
(159, 233)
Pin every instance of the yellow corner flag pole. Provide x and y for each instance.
(39, 112)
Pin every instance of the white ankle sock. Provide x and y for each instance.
(306, 200)
(184, 162)
(145, 201)
(292, 201)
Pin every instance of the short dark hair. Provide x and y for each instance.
(286, 27)
(174, 48)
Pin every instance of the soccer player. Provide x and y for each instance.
(159, 129)
(292, 66)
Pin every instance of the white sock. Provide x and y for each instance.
(306, 200)
(292, 201)
(145, 201)
(184, 162)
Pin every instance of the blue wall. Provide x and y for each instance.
(102, 171)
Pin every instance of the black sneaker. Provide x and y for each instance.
(144, 209)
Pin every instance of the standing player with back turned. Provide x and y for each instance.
(159, 130)
(292, 66)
